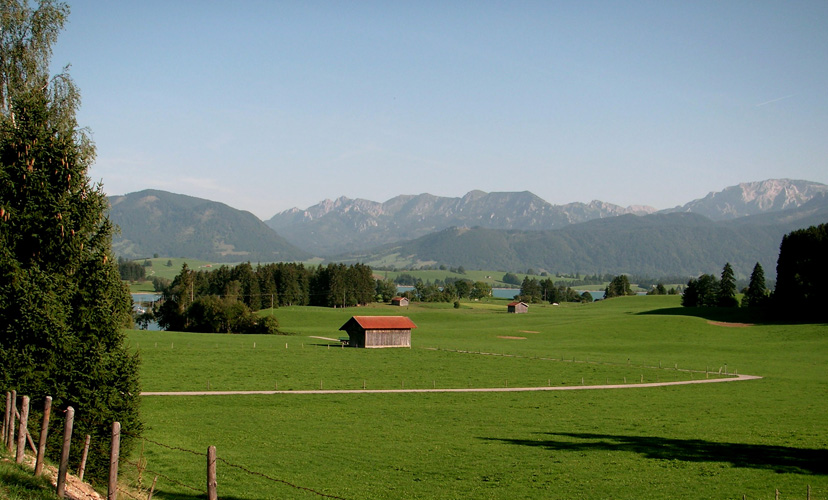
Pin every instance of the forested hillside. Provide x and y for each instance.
(173, 225)
(660, 244)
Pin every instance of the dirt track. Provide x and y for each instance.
(735, 378)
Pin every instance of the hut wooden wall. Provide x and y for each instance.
(388, 338)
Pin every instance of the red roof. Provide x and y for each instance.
(382, 322)
(516, 303)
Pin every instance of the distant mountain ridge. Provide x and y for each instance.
(752, 198)
(331, 225)
(677, 243)
(361, 224)
(508, 231)
(175, 225)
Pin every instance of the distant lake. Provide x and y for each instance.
(508, 293)
(142, 300)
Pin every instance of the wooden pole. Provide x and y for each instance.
(211, 474)
(64, 454)
(44, 431)
(9, 437)
(152, 488)
(24, 428)
(6, 417)
(114, 453)
(84, 456)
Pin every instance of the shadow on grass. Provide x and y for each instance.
(779, 459)
(732, 315)
(723, 314)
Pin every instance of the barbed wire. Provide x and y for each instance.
(127, 493)
(164, 476)
(282, 481)
(142, 466)
(169, 447)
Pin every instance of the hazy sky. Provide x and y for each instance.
(267, 105)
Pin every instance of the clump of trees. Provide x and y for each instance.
(131, 270)
(224, 300)
(63, 306)
(708, 291)
(450, 291)
(535, 291)
(619, 286)
(660, 289)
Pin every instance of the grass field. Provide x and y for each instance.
(698, 441)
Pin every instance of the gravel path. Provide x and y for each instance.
(736, 378)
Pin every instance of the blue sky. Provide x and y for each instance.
(267, 105)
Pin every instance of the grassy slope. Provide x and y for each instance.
(18, 483)
(708, 441)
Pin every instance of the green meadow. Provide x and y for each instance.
(720, 440)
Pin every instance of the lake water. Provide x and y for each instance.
(509, 293)
(142, 301)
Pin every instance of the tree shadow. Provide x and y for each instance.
(731, 315)
(780, 459)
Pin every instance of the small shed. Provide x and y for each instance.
(399, 301)
(379, 331)
(518, 307)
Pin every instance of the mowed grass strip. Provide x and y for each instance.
(703, 441)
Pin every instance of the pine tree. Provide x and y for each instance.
(62, 303)
(726, 296)
(757, 291)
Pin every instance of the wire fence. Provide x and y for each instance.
(15, 419)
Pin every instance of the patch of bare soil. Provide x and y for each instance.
(75, 489)
(731, 325)
(527, 331)
(510, 337)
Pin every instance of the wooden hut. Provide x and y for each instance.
(518, 307)
(399, 301)
(379, 331)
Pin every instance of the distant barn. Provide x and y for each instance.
(399, 301)
(518, 307)
(379, 331)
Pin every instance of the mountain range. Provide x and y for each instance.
(741, 224)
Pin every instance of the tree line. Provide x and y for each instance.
(224, 299)
(801, 272)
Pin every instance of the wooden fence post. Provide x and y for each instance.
(84, 456)
(114, 454)
(152, 488)
(44, 431)
(64, 454)
(9, 437)
(212, 484)
(6, 417)
(24, 428)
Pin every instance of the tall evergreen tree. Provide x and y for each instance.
(802, 273)
(757, 291)
(726, 295)
(62, 303)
